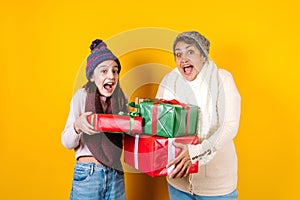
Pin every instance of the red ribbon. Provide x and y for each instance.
(154, 118)
(173, 101)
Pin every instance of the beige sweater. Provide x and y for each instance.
(214, 91)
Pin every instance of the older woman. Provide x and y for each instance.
(197, 80)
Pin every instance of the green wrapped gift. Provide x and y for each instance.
(168, 118)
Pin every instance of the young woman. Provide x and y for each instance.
(98, 171)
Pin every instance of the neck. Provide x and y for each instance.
(103, 98)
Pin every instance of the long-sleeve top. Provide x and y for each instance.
(69, 138)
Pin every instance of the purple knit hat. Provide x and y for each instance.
(99, 53)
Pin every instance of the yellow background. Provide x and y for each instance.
(43, 44)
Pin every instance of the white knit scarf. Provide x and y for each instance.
(203, 91)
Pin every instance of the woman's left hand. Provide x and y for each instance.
(182, 162)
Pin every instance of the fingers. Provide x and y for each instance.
(189, 164)
(181, 169)
(182, 162)
(91, 132)
(179, 157)
(84, 120)
(179, 145)
(87, 128)
(174, 162)
(83, 125)
(184, 151)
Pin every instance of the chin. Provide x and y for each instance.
(189, 78)
(105, 93)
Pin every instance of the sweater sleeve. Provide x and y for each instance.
(69, 138)
(228, 108)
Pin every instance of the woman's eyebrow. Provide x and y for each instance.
(188, 46)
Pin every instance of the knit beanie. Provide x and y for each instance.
(194, 37)
(99, 53)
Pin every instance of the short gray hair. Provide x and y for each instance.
(194, 37)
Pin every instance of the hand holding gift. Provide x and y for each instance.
(82, 124)
(182, 162)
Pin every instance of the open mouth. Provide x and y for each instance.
(188, 69)
(108, 86)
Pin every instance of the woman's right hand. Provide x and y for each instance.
(82, 125)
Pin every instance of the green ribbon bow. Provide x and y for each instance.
(132, 115)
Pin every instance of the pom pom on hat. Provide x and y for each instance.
(95, 43)
(99, 53)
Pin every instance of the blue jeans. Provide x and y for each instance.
(179, 195)
(97, 182)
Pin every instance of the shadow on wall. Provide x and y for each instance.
(142, 186)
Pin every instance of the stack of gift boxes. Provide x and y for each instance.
(150, 131)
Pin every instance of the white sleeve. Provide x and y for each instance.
(229, 115)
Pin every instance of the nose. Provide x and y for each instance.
(110, 74)
(184, 58)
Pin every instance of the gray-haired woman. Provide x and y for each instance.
(197, 80)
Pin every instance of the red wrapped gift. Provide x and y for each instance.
(116, 123)
(151, 154)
